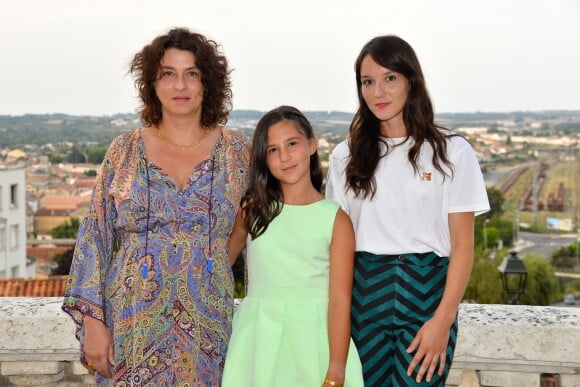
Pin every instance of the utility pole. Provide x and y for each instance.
(485, 222)
(535, 192)
(516, 227)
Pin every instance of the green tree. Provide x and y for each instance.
(504, 230)
(542, 287)
(567, 257)
(76, 155)
(96, 154)
(496, 229)
(484, 285)
(66, 230)
(61, 262)
(496, 200)
(55, 159)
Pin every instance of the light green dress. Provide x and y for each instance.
(280, 335)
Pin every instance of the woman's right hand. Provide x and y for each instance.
(98, 346)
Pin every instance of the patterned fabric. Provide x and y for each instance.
(392, 297)
(171, 320)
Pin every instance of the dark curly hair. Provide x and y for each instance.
(215, 75)
(397, 55)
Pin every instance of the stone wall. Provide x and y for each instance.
(498, 345)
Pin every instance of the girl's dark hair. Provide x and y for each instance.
(263, 200)
(397, 55)
(215, 76)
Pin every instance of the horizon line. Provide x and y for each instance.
(303, 110)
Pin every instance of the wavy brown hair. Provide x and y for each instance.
(213, 65)
(397, 55)
(262, 202)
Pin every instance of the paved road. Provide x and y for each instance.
(543, 244)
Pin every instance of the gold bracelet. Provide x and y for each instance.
(333, 383)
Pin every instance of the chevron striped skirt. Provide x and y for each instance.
(392, 297)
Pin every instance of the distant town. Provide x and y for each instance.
(48, 164)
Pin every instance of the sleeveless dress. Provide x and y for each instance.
(280, 335)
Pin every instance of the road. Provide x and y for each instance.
(543, 244)
(495, 176)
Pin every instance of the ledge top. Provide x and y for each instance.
(524, 315)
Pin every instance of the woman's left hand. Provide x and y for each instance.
(431, 346)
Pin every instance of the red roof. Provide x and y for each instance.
(57, 201)
(46, 253)
(51, 286)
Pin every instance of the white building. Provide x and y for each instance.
(13, 221)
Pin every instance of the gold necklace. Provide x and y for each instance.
(182, 147)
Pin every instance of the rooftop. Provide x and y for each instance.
(50, 286)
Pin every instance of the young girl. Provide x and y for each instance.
(293, 327)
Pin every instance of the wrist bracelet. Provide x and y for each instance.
(333, 383)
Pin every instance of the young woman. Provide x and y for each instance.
(411, 188)
(293, 327)
(150, 286)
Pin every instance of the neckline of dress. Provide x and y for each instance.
(146, 157)
(205, 163)
(302, 205)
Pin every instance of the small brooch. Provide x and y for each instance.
(426, 176)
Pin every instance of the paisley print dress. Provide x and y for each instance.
(151, 262)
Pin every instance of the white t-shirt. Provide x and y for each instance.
(409, 212)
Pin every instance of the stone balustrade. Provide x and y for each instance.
(498, 345)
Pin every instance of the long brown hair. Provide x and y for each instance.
(397, 55)
(262, 202)
(215, 76)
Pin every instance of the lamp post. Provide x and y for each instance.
(485, 222)
(516, 230)
(513, 276)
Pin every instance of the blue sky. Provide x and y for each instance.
(71, 56)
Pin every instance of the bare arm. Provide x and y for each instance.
(98, 346)
(461, 226)
(237, 238)
(340, 290)
(431, 340)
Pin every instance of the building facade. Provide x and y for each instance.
(13, 220)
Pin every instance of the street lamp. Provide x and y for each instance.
(485, 222)
(513, 276)
(516, 230)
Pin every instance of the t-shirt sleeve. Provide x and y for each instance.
(467, 190)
